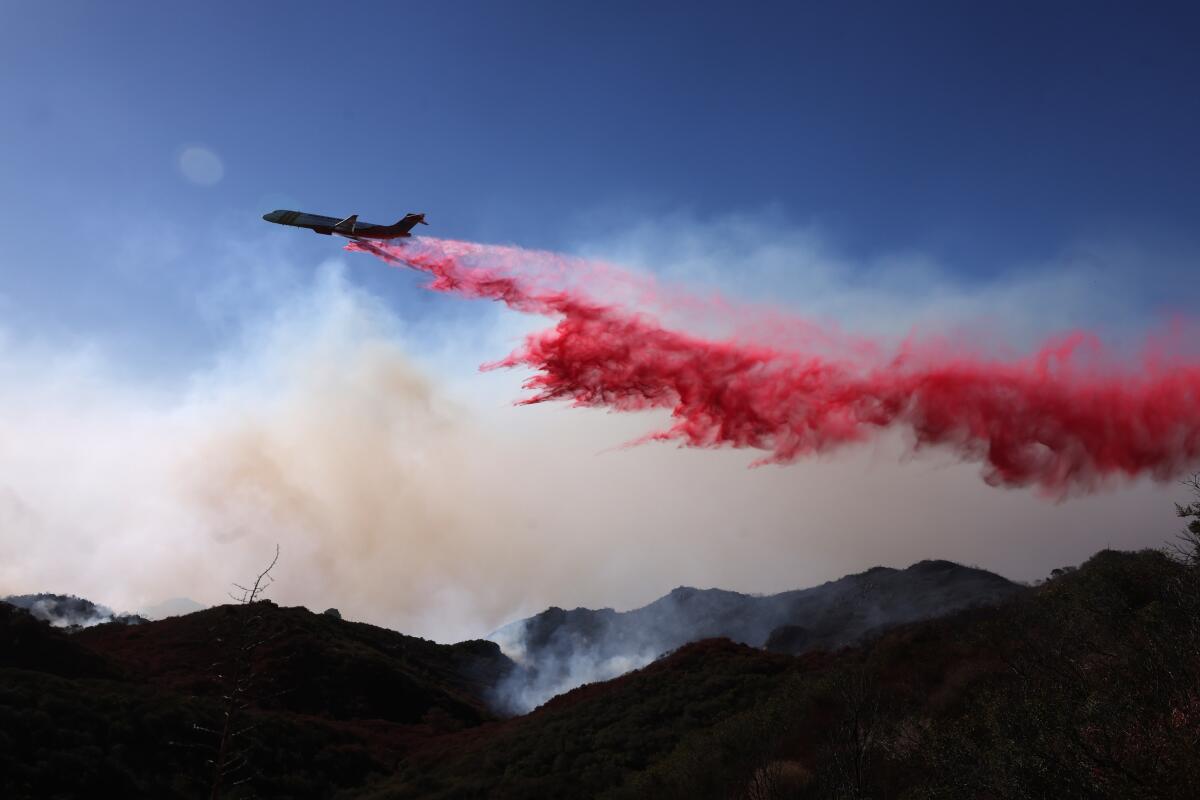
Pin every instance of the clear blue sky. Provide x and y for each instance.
(982, 136)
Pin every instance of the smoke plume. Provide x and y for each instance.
(1067, 418)
(407, 490)
(68, 611)
(558, 649)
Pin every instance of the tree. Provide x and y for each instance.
(852, 738)
(1187, 548)
(230, 764)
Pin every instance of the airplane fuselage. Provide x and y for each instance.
(350, 227)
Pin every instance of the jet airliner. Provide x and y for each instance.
(349, 227)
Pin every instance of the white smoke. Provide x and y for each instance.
(67, 611)
(405, 489)
(554, 670)
(316, 431)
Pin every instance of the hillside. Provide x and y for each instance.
(131, 711)
(311, 663)
(29, 643)
(560, 649)
(1085, 686)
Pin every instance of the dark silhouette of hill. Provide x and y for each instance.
(69, 611)
(1087, 685)
(561, 649)
(313, 664)
(119, 710)
(29, 643)
(94, 737)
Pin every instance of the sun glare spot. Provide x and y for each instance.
(201, 166)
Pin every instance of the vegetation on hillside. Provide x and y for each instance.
(1088, 685)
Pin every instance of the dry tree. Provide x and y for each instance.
(230, 763)
(1186, 548)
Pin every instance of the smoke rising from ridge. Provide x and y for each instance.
(65, 611)
(406, 489)
(317, 431)
(558, 650)
(1062, 419)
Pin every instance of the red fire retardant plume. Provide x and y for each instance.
(1039, 421)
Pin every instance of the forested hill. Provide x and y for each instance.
(1087, 685)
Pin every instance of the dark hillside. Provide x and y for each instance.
(1088, 686)
(561, 649)
(592, 738)
(836, 613)
(1085, 686)
(313, 664)
(29, 643)
(86, 738)
(131, 711)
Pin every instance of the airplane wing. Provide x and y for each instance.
(347, 225)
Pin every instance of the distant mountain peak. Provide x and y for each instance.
(173, 607)
(562, 649)
(935, 565)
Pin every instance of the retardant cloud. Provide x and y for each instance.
(405, 488)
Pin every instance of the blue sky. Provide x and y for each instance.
(879, 165)
(981, 137)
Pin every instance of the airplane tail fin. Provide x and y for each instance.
(409, 222)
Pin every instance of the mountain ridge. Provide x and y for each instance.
(974, 703)
(559, 649)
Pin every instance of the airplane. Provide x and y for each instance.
(349, 227)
